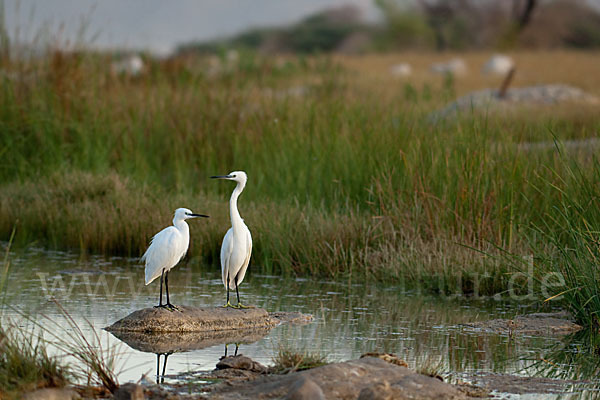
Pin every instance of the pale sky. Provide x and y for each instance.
(156, 25)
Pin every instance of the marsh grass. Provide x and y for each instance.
(287, 360)
(346, 177)
(569, 261)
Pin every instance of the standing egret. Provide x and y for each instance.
(166, 249)
(237, 243)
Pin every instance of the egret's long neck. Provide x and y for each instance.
(236, 219)
(182, 226)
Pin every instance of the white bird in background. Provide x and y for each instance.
(166, 249)
(237, 243)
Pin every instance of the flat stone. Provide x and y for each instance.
(346, 380)
(193, 319)
(52, 394)
(527, 385)
(293, 317)
(538, 324)
(387, 357)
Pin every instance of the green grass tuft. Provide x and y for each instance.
(288, 360)
(568, 262)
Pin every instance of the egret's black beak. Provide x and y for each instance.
(221, 177)
(199, 215)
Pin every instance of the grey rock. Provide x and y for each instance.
(489, 99)
(539, 324)
(346, 380)
(241, 362)
(378, 391)
(305, 389)
(129, 391)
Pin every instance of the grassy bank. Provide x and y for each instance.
(571, 235)
(347, 175)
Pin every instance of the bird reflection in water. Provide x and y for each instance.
(160, 378)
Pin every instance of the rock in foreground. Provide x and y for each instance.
(192, 319)
(369, 378)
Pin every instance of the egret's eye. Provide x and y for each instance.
(233, 176)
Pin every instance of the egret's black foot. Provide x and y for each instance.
(240, 305)
(171, 307)
(228, 305)
(161, 306)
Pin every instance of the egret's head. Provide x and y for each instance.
(238, 176)
(184, 213)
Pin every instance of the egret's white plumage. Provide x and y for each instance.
(237, 243)
(168, 247)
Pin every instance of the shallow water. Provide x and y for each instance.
(350, 318)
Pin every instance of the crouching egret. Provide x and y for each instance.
(237, 243)
(166, 249)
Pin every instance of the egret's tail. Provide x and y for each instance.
(150, 276)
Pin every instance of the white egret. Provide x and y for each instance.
(166, 249)
(237, 243)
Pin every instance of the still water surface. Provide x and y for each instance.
(350, 318)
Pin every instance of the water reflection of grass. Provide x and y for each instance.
(350, 318)
(575, 358)
(34, 352)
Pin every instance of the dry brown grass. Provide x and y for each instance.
(577, 68)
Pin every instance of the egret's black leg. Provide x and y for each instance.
(237, 291)
(160, 304)
(157, 368)
(236, 349)
(169, 305)
(225, 351)
(228, 304)
(162, 379)
(167, 287)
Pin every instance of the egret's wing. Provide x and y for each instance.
(226, 250)
(242, 271)
(162, 253)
